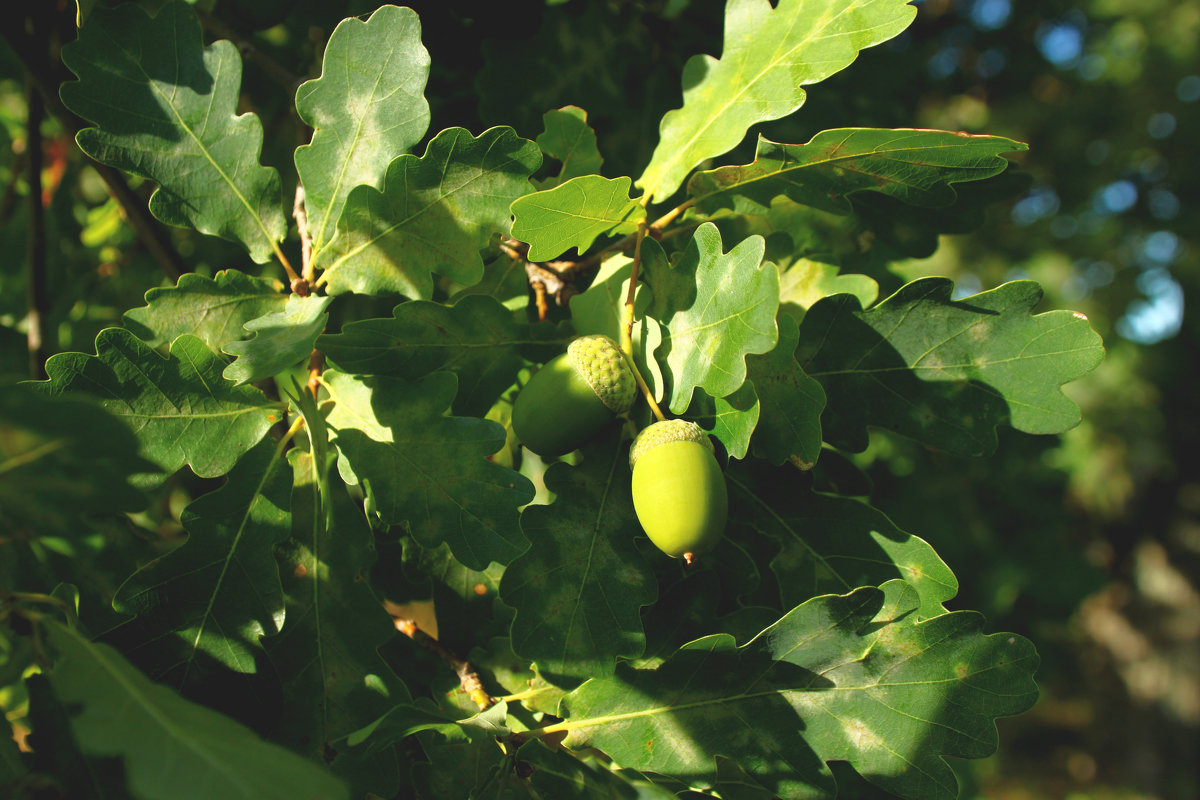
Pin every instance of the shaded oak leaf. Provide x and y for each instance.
(918, 167)
(579, 588)
(179, 406)
(421, 467)
(946, 372)
(852, 678)
(477, 339)
(165, 109)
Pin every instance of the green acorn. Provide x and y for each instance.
(573, 396)
(679, 490)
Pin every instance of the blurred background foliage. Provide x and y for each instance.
(1089, 543)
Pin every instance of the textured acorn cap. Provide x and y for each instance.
(599, 360)
(672, 430)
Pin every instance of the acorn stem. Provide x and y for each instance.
(627, 351)
(627, 320)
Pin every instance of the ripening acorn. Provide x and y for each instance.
(679, 491)
(573, 396)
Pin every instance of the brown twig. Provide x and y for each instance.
(306, 265)
(316, 365)
(468, 678)
(539, 298)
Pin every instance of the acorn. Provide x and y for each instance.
(573, 396)
(679, 491)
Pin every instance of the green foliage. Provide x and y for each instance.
(917, 167)
(717, 307)
(332, 675)
(421, 467)
(214, 309)
(171, 748)
(568, 138)
(388, 478)
(180, 407)
(577, 590)
(849, 678)
(61, 460)
(476, 339)
(433, 214)
(965, 367)
(282, 338)
(164, 105)
(769, 54)
(367, 106)
(573, 214)
(218, 594)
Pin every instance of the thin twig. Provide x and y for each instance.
(468, 678)
(316, 365)
(306, 265)
(539, 298)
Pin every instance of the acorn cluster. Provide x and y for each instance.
(679, 492)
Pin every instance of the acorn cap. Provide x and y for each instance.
(599, 361)
(672, 430)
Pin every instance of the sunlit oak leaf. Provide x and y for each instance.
(366, 108)
(171, 748)
(716, 308)
(808, 280)
(281, 339)
(769, 54)
(854, 678)
(477, 339)
(568, 138)
(179, 406)
(215, 309)
(946, 372)
(427, 469)
(214, 596)
(579, 588)
(918, 167)
(573, 214)
(434, 214)
(165, 109)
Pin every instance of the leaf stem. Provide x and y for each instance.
(669, 217)
(293, 278)
(627, 320)
(525, 695)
